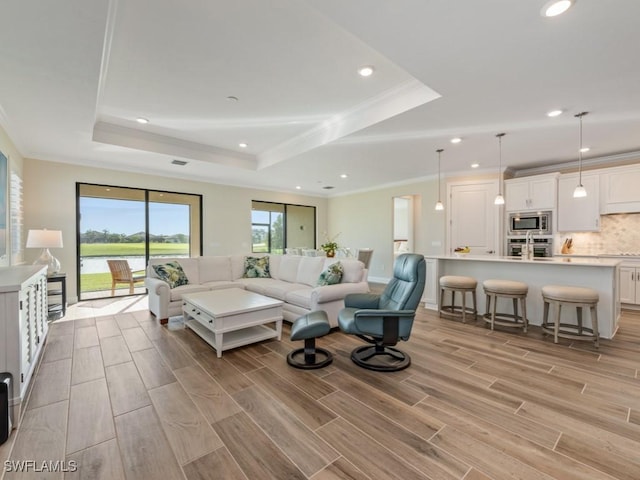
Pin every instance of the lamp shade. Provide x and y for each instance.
(44, 239)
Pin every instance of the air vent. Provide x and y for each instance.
(328, 187)
(179, 162)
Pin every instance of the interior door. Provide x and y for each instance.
(473, 219)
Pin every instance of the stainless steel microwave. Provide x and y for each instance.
(538, 223)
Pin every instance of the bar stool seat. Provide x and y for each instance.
(578, 297)
(464, 285)
(515, 290)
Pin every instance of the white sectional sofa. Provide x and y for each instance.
(293, 280)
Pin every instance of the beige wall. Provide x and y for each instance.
(50, 202)
(365, 220)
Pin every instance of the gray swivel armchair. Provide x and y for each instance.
(383, 320)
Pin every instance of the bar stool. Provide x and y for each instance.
(579, 297)
(495, 289)
(464, 285)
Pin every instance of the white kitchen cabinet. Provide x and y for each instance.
(23, 327)
(630, 284)
(619, 190)
(578, 214)
(531, 193)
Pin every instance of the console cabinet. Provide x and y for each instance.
(23, 327)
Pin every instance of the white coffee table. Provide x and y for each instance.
(232, 317)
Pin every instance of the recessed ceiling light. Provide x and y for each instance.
(142, 120)
(456, 140)
(475, 165)
(556, 7)
(554, 113)
(344, 175)
(243, 145)
(585, 149)
(298, 187)
(366, 71)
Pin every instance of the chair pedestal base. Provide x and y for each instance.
(312, 356)
(367, 355)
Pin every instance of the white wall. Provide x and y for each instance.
(365, 220)
(50, 202)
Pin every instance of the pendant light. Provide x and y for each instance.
(499, 198)
(439, 205)
(580, 191)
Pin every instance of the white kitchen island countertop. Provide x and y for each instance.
(568, 261)
(599, 273)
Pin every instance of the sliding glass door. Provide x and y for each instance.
(120, 228)
(277, 226)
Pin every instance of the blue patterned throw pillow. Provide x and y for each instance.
(332, 275)
(172, 273)
(256, 267)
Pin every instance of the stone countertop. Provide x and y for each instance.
(618, 256)
(557, 260)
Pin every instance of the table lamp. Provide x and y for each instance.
(46, 239)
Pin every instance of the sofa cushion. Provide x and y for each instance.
(300, 297)
(220, 284)
(353, 269)
(237, 266)
(309, 269)
(279, 289)
(332, 275)
(172, 273)
(256, 285)
(274, 265)
(289, 268)
(256, 267)
(176, 293)
(215, 269)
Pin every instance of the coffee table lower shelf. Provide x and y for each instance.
(234, 338)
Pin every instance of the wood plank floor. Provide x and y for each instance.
(126, 398)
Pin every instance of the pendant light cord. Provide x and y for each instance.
(500, 135)
(580, 115)
(440, 150)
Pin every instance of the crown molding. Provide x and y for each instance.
(592, 163)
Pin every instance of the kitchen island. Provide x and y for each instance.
(601, 274)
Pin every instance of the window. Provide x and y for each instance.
(132, 225)
(277, 226)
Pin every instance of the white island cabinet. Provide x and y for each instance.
(23, 327)
(601, 274)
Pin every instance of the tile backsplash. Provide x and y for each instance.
(618, 234)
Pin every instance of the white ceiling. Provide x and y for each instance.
(77, 73)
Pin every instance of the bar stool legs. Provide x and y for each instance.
(517, 291)
(577, 297)
(464, 285)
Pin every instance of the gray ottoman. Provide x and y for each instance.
(309, 327)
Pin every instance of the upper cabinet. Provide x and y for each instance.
(579, 214)
(620, 192)
(531, 193)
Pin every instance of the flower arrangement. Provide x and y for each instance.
(330, 245)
